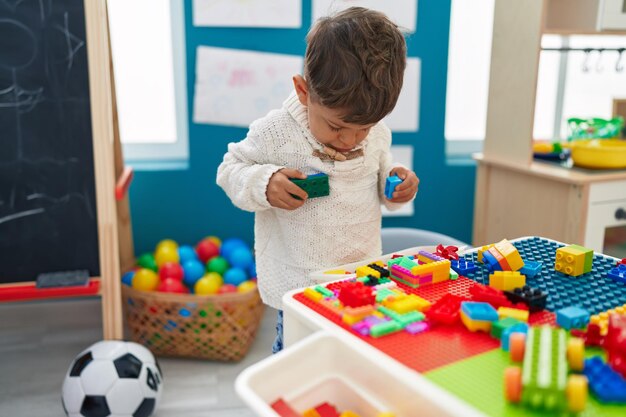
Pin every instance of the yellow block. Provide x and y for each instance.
(352, 315)
(313, 295)
(569, 261)
(349, 413)
(511, 254)
(516, 313)
(409, 303)
(506, 280)
(365, 270)
(475, 325)
(311, 413)
(440, 270)
(481, 250)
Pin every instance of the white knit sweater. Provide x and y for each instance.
(341, 228)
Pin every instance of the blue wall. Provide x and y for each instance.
(187, 205)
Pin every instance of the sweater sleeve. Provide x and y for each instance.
(386, 165)
(245, 172)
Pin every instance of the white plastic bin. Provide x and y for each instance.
(327, 367)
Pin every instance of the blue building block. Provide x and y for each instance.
(531, 268)
(592, 291)
(390, 185)
(491, 262)
(479, 311)
(506, 334)
(572, 317)
(618, 274)
(462, 266)
(605, 383)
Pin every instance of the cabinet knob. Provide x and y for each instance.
(620, 214)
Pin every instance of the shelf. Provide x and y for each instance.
(574, 17)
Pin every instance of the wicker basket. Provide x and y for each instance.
(219, 327)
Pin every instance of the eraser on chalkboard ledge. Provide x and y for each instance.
(63, 279)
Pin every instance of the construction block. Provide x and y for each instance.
(365, 270)
(498, 327)
(427, 257)
(326, 410)
(402, 319)
(311, 412)
(573, 260)
(493, 296)
(416, 327)
(531, 269)
(380, 268)
(352, 315)
(453, 275)
(602, 319)
(283, 409)
(475, 325)
(618, 273)
(515, 313)
(315, 185)
(572, 317)
(534, 298)
(355, 294)
(446, 309)
(607, 385)
(512, 257)
(385, 328)
(504, 265)
(506, 280)
(507, 332)
(440, 270)
(463, 266)
(479, 311)
(390, 185)
(313, 295)
(408, 303)
(482, 250)
(324, 291)
(491, 262)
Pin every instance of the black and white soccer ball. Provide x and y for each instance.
(113, 378)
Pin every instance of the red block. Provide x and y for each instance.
(283, 409)
(355, 294)
(327, 410)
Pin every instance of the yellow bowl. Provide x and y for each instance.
(599, 153)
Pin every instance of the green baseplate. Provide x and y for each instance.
(479, 381)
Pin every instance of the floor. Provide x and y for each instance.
(39, 340)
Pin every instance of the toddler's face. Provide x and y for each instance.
(328, 128)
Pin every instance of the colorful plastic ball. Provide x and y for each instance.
(207, 250)
(166, 254)
(252, 269)
(208, 284)
(218, 264)
(169, 243)
(227, 288)
(235, 276)
(172, 285)
(229, 245)
(246, 286)
(171, 270)
(187, 253)
(147, 261)
(145, 280)
(193, 272)
(241, 258)
(127, 278)
(216, 240)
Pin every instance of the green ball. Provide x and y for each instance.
(217, 264)
(147, 261)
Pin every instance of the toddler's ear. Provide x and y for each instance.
(302, 89)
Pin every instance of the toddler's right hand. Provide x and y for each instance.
(279, 189)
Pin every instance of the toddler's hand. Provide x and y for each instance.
(279, 189)
(408, 188)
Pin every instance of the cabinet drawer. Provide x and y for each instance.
(607, 191)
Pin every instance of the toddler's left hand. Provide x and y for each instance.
(406, 191)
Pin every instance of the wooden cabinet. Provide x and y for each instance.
(516, 196)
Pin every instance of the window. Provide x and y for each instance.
(469, 58)
(148, 47)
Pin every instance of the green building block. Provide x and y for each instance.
(499, 326)
(383, 293)
(324, 291)
(453, 275)
(315, 185)
(385, 328)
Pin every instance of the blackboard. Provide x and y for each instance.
(48, 216)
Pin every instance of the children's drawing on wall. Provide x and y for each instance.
(405, 117)
(401, 12)
(235, 87)
(246, 13)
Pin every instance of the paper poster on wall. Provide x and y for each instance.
(247, 13)
(402, 12)
(405, 116)
(236, 87)
(402, 154)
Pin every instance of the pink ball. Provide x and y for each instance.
(226, 288)
(206, 250)
(172, 285)
(171, 270)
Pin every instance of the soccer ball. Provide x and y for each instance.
(112, 378)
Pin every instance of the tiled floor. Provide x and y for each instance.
(39, 340)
